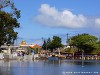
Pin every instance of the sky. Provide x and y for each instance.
(41, 19)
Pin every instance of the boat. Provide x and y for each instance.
(53, 57)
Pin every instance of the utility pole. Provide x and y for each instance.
(67, 42)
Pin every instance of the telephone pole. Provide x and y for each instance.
(67, 42)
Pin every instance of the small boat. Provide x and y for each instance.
(53, 57)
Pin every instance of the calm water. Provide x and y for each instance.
(61, 67)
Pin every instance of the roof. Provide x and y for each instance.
(23, 42)
(35, 46)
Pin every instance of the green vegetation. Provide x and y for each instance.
(44, 46)
(85, 42)
(79, 43)
(8, 22)
(55, 43)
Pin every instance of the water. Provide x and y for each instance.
(45, 67)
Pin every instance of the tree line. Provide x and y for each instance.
(83, 42)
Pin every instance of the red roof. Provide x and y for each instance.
(35, 46)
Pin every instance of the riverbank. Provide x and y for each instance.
(4, 56)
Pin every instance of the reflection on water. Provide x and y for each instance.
(60, 67)
(5, 68)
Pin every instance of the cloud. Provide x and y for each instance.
(50, 16)
(97, 23)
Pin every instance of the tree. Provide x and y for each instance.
(84, 42)
(7, 25)
(52, 44)
(48, 43)
(56, 42)
(44, 46)
(8, 3)
(8, 22)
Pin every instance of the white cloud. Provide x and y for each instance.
(97, 23)
(47, 10)
(50, 16)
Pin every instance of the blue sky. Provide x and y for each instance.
(46, 18)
